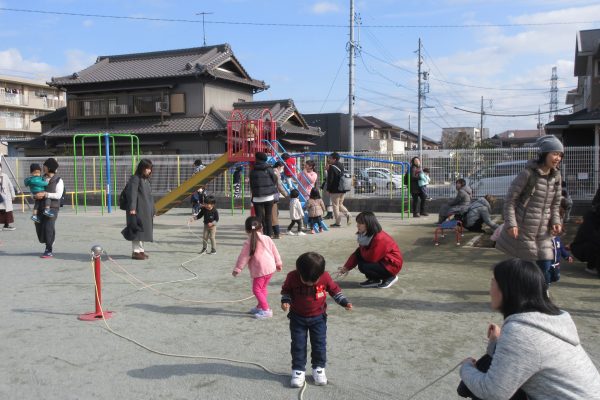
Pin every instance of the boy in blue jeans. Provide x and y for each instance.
(36, 184)
(303, 294)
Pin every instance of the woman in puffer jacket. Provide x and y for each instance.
(479, 213)
(459, 204)
(531, 208)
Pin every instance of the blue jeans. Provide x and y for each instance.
(299, 328)
(546, 267)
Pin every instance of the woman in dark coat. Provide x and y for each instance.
(140, 210)
(263, 185)
(415, 191)
(45, 230)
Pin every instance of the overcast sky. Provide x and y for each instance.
(508, 60)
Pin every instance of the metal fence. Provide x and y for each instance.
(486, 171)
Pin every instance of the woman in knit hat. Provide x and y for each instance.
(45, 230)
(531, 208)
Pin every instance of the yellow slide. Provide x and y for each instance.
(183, 191)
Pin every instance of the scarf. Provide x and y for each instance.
(363, 240)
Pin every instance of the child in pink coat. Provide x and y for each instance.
(261, 256)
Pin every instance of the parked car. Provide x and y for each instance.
(495, 179)
(364, 184)
(384, 179)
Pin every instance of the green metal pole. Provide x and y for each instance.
(84, 170)
(75, 174)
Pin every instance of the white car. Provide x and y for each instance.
(495, 179)
(383, 178)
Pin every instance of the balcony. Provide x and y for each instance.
(31, 101)
(111, 107)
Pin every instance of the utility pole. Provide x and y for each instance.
(351, 45)
(204, 30)
(481, 122)
(419, 102)
(539, 124)
(553, 95)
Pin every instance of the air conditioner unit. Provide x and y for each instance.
(162, 106)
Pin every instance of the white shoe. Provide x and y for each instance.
(291, 233)
(301, 233)
(590, 270)
(298, 378)
(254, 310)
(263, 314)
(319, 376)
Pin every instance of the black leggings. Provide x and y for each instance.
(295, 221)
(373, 270)
(415, 202)
(264, 213)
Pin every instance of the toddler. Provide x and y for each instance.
(261, 256)
(424, 180)
(198, 200)
(315, 208)
(289, 172)
(36, 184)
(211, 217)
(296, 212)
(303, 294)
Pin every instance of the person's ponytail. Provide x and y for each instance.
(253, 227)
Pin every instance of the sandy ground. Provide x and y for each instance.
(394, 343)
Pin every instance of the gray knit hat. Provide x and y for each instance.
(548, 144)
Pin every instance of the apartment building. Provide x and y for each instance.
(21, 101)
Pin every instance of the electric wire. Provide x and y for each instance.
(332, 83)
(512, 115)
(297, 25)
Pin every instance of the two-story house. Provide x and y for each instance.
(175, 101)
(21, 101)
(582, 127)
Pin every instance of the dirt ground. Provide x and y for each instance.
(394, 343)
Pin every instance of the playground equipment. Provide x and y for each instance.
(245, 137)
(107, 198)
(237, 190)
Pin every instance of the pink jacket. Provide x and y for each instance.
(265, 261)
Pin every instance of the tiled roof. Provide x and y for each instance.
(163, 64)
(137, 127)
(519, 134)
(578, 118)
(60, 114)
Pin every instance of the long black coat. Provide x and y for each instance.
(139, 198)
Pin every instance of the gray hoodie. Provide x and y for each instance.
(540, 354)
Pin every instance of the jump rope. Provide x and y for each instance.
(133, 280)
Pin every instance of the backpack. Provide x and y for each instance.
(345, 184)
(405, 178)
(123, 197)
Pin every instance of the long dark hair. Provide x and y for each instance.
(368, 218)
(412, 161)
(523, 288)
(253, 226)
(142, 165)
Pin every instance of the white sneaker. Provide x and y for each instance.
(319, 376)
(254, 310)
(590, 270)
(263, 314)
(291, 233)
(301, 233)
(298, 378)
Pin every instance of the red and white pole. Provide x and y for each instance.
(99, 313)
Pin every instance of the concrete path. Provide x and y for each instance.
(394, 343)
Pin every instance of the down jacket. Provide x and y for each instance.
(458, 205)
(479, 209)
(532, 215)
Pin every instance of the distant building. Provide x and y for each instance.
(21, 101)
(582, 127)
(370, 134)
(465, 136)
(175, 101)
(517, 137)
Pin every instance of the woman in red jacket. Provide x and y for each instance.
(377, 256)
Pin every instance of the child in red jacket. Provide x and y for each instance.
(377, 256)
(303, 294)
(290, 169)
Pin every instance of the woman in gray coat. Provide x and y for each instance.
(459, 204)
(537, 349)
(531, 208)
(140, 209)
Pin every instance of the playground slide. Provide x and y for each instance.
(183, 191)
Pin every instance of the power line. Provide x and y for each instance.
(297, 25)
(511, 115)
(332, 83)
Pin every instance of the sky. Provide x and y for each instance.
(501, 50)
